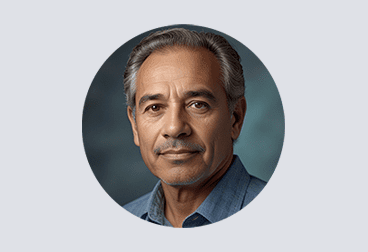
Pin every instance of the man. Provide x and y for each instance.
(186, 105)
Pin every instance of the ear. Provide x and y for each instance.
(238, 118)
(133, 124)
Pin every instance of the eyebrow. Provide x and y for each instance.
(201, 93)
(149, 97)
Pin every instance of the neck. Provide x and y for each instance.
(181, 201)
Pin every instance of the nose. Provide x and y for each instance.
(175, 123)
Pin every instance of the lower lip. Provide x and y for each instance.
(179, 156)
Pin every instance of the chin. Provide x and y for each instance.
(180, 181)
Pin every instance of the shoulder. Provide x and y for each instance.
(255, 186)
(139, 206)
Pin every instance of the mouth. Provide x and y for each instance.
(178, 154)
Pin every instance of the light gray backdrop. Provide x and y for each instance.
(50, 51)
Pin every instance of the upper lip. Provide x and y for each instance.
(177, 151)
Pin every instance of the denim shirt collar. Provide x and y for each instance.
(224, 200)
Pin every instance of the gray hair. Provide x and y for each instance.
(231, 69)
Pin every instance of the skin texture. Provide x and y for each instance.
(183, 125)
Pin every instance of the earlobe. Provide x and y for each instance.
(238, 118)
(133, 123)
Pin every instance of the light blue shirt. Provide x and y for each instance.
(234, 191)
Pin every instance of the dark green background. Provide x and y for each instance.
(108, 139)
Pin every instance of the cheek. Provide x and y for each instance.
(216, 132)
(146, 133)
(149, 133)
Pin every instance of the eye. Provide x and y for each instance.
(199, 105)
(153, 108)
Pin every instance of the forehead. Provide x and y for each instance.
(179, 66)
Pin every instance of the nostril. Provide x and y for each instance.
(182, 134)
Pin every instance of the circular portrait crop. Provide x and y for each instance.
(183, 126)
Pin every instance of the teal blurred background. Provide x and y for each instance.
(108, 139)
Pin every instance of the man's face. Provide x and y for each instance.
(182, 123)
